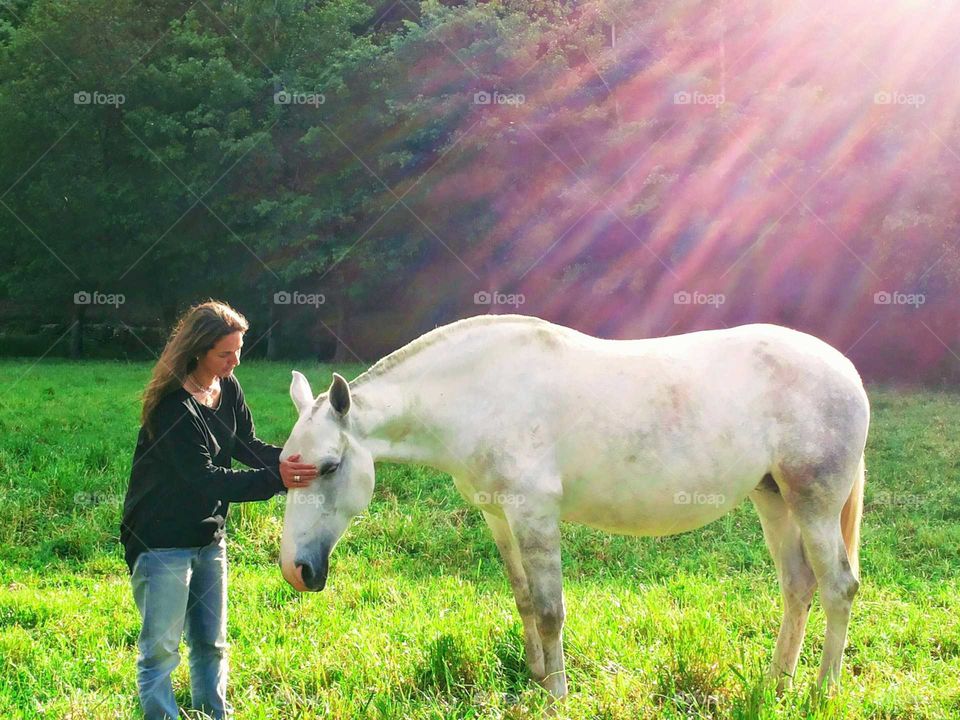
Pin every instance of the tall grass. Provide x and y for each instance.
(418, 621)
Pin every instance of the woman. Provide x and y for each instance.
(194, 423)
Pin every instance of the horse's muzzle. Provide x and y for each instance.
(313, 573)
(308, 571)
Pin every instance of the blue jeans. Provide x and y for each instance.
(179, 589)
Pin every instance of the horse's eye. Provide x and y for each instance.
(329, 467)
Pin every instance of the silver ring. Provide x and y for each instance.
(296, 478)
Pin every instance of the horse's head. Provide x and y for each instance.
(317, 515)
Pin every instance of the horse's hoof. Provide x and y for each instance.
(554, 703)
(825, 689)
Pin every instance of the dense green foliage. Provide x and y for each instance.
(594, 159)
(233, 150)
(417, 620)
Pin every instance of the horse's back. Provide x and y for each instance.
(541, 340)
(619, 429)
(759, 369)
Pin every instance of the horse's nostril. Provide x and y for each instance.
(313, 574)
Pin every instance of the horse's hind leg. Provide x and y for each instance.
(510, 553)
(823, 542)
(816, 505)
(797, 581)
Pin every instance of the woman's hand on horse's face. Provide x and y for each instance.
(296, 474)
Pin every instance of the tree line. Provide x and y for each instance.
(351, 173)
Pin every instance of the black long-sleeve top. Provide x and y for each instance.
(182, 484)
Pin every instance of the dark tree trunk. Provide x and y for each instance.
(76, 332)
(168, 315)
(273, 333)
(342, 354)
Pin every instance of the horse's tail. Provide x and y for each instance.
(850, 518)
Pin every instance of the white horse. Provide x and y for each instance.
(538, 424)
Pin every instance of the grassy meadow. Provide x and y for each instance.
(418, 621)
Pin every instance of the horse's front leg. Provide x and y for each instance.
(510, 552)
(538, 539)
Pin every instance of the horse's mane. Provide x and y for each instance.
(435, 337)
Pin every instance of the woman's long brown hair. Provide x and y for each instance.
(196, 332)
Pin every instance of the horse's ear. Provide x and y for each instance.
(339, 395)
(300, 392)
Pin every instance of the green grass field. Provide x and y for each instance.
(417, 620)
